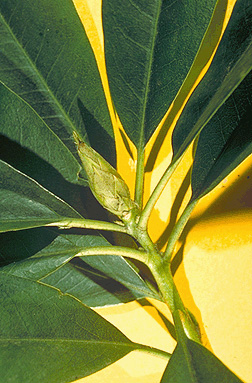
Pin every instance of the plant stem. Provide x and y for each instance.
(139, 184)
(67, 223)
(122, 251)
(154, 351)
(144, 217)
(163, 276)
(177, 230)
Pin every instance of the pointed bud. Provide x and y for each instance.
(105, 182)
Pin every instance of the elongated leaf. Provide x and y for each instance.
(20, 123)
(18, 245)
(46, 58)
(225, 142)
(149, 47)
(193, 363)
(196, 365)
(96, 281)
(231, 64)
(26, 204)
(50, 337)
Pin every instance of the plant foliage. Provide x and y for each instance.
(50, 94)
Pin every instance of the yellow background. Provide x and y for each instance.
(214, 278)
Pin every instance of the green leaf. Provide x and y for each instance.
(26, 204)
(18, 245)
(196, 364)
(47, 336)
(225, 142)
(95, 280)
(20, 123)
(46, 59)
(231, 64)
(149, 47)
(193, 363)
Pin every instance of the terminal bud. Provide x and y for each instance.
(105, 182)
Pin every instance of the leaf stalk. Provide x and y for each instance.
(83, 223)
(139, 183)
(144, 217)
(177, 230)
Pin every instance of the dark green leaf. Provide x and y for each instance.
(20, 123)
(193, 363)
(47, 336)
(231, 64)
(225, 142)
(96, 281)
(26, 204)
(196, 364)
(22, 244)
(46, 58)
(149, 47)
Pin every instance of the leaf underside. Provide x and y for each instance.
(231, 64)
(225, 142)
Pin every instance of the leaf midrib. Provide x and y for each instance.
(149, 66)
(206, 115)
(40, 77)
(81, 341)
(41, 119)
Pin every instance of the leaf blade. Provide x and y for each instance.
(97, 281)
(225, 143)
(205, 367)
(191, 362)
(26, 204)
(145, 39)
(47, 60)
(17, 118)
(231, 64)
(41, 327)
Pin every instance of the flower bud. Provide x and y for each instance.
(105, 182)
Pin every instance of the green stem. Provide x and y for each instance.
(139, 184)
(177, 230)
(163, 276)
(144, 217)
(67, 223)
(121, 251)
(154, 351)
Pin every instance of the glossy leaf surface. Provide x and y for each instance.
(149, 47)
(96, 281)
(21, 124)
(193, 363)
(225, 142)
(231, 64)
(26, 204)
(46, 58)
(51, 336)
